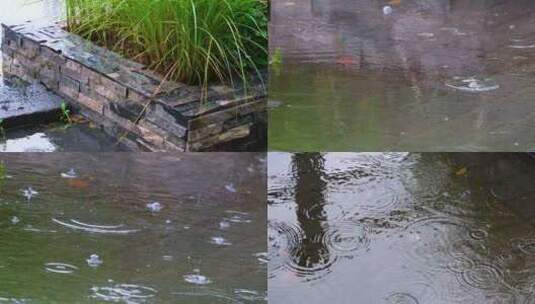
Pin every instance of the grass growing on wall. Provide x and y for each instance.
(192, 41)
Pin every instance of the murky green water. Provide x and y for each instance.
(206, 244)
(401, 228)
(431, 76)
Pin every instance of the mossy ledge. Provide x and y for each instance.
(131, 102)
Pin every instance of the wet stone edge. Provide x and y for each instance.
(129, 101)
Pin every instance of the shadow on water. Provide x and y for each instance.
(133, 228)
(433, 75)
(401, 228)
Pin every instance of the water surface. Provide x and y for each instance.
(433, 75)
(187, 228)
(401, 228)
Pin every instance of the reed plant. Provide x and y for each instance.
(191, 41)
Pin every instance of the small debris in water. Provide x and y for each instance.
(154, 207)
(70, 174)
(15, 220)
(220, 241)
(29, 193)
(196, 279)
(387, 10)
(231, 188)
(94, 261)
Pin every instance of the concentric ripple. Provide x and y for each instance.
(473, 85)
(347, 237)
(526, 246)
(306, 257)
(401, 298)
(61, 268)
(111, 229)
(483, 276)
(123, 292)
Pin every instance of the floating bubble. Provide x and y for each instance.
(231, 188)
(70, 174)
(154, 207)
(220, 241)
(197, 279)
(29, 193)
(15, 220)
(94, 261)
(387, 10)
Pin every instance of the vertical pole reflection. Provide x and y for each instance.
(309, 196)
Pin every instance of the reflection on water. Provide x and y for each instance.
(434, 75)
(401, 228)
(75, 228)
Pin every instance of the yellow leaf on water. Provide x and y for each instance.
(462, 171)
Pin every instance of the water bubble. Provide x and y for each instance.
(15, 220)
(154, 207)
(94, 261)
(248, 295)
(220, 241)
(61, 268)
(224, 225)
(167, 258)
(70, 174)
(123, 292)
(29, 193)
(387, 10)
(478, 234)
(231, 188)
(196, 279)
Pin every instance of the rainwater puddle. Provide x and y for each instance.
(75, 228)
(361, 75)
(401, 228)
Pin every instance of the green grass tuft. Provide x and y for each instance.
(192, 41)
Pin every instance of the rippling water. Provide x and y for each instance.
(75, 228)
(431, 76)
(401, 228)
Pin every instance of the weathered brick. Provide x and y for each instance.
(69, 87)
(72, 70)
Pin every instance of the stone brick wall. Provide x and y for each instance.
(129, 101)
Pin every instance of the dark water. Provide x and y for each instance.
(401, 228)
(434, 75)
(207, 244)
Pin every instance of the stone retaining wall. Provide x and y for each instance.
(127, 100)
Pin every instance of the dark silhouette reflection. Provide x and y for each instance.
(309, 196)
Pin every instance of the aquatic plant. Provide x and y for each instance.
(193, 41)
(65, 113)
